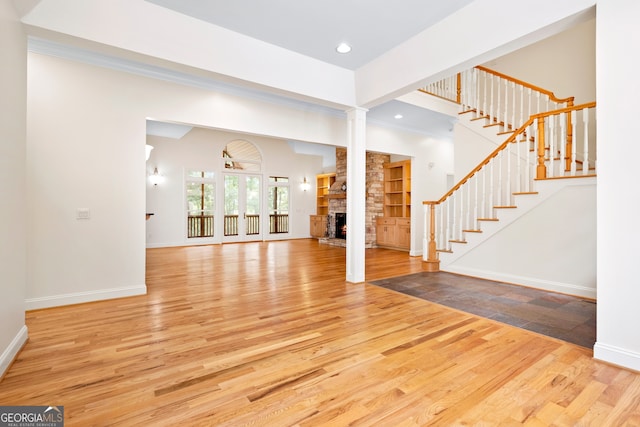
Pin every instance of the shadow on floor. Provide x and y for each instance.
(569, 318)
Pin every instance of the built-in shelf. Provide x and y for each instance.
(393, 229)
(318, 222)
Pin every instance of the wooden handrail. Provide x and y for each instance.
(565, 110)
(551, 95)
(509, 140)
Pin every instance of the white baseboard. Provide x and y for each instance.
(80, 297)
(532, 282)
(10, 353)
(617, 356)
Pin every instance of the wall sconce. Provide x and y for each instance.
(155, 178)
(147, 150)
(305, 185)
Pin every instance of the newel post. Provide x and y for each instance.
(432, 263)
(541, 169)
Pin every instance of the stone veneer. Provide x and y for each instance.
(374, 192)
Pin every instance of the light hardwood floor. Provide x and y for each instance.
(269, 334)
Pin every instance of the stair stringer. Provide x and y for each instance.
(526, 204)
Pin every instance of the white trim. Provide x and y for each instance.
(74, 53)
(12, 350)
(617, 356)
(81, 297)
(547, 285)
(194, 241)
(417, 252)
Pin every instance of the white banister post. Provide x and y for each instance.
(356, 191)
(515, 125)
(426, 230)
(585, 155)
(551, 172)
(574, 146)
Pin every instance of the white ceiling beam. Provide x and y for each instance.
(143, 28)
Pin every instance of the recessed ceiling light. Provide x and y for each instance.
(343, 48)
(397, 116)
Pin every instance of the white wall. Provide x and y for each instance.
(13, 86)
(201, 149)
(551, 247)
(86, 137)
(618, 236)
(472, 144)
(564, 63)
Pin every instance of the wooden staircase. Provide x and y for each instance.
(544, 138)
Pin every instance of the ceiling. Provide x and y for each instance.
(314, 29)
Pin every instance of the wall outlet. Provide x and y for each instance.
(83, 213)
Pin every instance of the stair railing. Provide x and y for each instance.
(551, 144)
(501, 99)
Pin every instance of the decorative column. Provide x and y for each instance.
(356, 193)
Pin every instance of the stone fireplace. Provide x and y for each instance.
(338, 198)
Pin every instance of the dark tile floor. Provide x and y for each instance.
(565, 317)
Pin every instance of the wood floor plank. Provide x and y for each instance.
(270, 334)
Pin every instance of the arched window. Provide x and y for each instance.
(241, 155)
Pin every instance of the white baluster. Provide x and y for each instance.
(453, 220)
(426, 231)
(509, 184)
(483, 210)
(484, 98)
(467, 208)
(551, 139)
(491, 100)
(470, 89)
(563, 144)
(498, 112)
(475, 87)
(522, 116)
(585, 156)
(461, 217)
(519, 173)
(491, 190)
(500, 182)
(475, 202)
(505, 116)
(514, 124)
(442, 230)
(574, 145)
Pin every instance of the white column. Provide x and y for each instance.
(356, 194)
(618, 237)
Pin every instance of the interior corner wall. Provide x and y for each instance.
(86, 134)
(564, 63)
(431, 161)
(13, 86)
(618, 152)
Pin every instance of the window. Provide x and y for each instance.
(242, 155)
(278, 204)
(200, 189)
